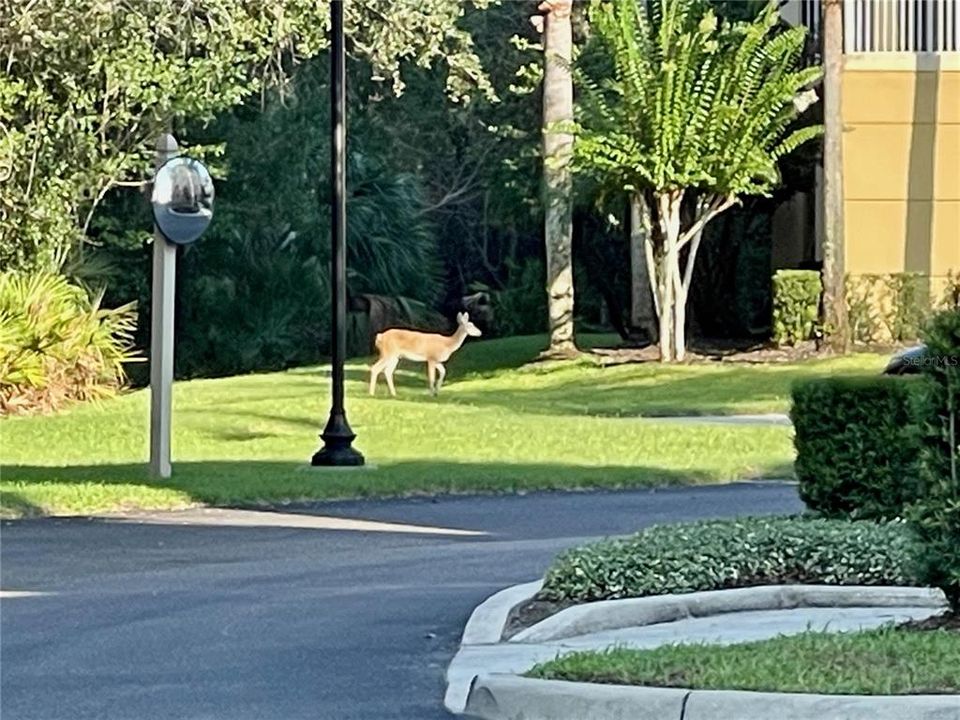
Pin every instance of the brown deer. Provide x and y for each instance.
(431, 348)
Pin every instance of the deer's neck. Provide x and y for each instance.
(456, 340)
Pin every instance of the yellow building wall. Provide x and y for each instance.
(901, 164)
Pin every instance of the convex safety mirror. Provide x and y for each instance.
(182, 199)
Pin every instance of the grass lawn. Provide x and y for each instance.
(497, 426)
(875, 662)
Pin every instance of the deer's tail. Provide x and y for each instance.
(377, 341)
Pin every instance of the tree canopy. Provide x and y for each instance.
(89, 84)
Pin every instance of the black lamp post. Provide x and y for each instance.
(337, 436)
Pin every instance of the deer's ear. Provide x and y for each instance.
(460, 318)
(466, 317)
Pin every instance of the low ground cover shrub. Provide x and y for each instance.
(719, 554)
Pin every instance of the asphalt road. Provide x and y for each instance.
(140, 621)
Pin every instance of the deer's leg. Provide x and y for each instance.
(432, 376)
(390, 366)
(375, 371)
(442, 373)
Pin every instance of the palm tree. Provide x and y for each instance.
(834, 300)
(557, 178)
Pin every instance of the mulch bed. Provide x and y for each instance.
(705, 351)
(944, 621)
(532, 612)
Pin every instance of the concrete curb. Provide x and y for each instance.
(487, 621)
(507, 697)
(633, 612)
(484, 628)
(504, 696)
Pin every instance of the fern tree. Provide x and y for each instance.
(688, 113)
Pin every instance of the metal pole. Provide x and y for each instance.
(337, 436)
(161, 334)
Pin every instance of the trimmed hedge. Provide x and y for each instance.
(857, 445)
(796, 305)
(719, 554)
(936, 514)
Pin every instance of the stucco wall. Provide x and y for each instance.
(901, 162)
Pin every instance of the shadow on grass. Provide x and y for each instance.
(81, 489)
(14, 504)
(715, 393)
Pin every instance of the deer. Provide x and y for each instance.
(431, 348)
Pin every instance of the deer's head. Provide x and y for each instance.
(463, 320)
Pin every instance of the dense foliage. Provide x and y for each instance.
(444, 143)
(796, 305)
(936, 515)
(56, 345)
(268, 248)
(718, 554)
(884, 307)
(90, 84)
(857, 446)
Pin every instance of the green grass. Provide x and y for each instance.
(876, 662)
(497, 426)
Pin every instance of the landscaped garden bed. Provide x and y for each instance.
(722, 554)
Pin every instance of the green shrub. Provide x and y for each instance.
(936, 516)
(857, 446)
(895, 306)
(520, 308)
(56, 345)
(718, 554)
(796, 305)
(909, 294)
(863, 314)
(950, 299)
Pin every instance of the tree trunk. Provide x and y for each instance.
(642, 312)
(669, 287)
(834, 300)
(557, 180)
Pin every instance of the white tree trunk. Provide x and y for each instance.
(668, 284)
(680, 323)
(673, 282)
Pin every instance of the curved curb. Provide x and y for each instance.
(633, 612)
(487, 621)
(507, 697)
(498, 688)
(484, 627)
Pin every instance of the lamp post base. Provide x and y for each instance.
(337, 450)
